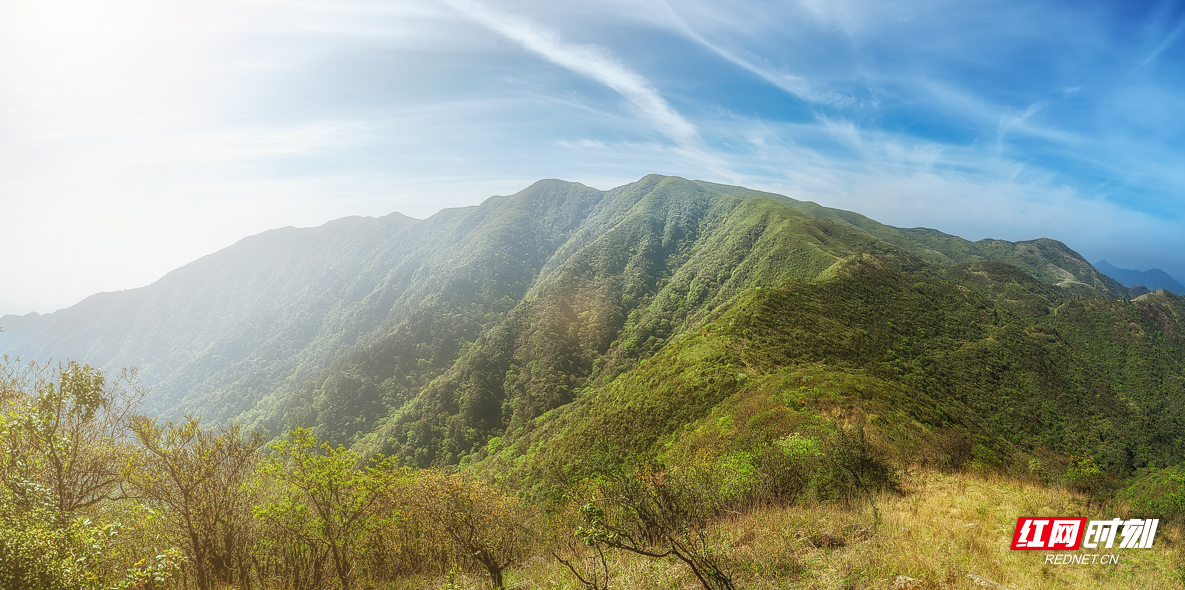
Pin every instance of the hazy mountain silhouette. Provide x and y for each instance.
(1152, 279)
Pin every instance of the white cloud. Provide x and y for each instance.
(588, 60)
(1165, 44)
(791, 83)
(1012, 121)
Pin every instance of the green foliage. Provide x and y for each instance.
(1083, 473)
(850, 470)
(484, 525)
(62, 429)
(964, 367)
(326, 497)
(737, 475)
(146, 574)
(799, 448)
(40, 552)
(200, 477)
(1159, 492)
(659, 513)
(494, 445)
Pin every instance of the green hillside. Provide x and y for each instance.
(651, 264)
(1009, 367)
(425, 339)
(758, 391)
(679, 253)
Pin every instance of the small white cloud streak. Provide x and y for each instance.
(1011, 121)
(588, 60)
(1168, 41)
(792, 84)
(978, 113)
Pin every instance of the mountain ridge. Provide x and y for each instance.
(979, 353)
(558, 273)
(1152, 279)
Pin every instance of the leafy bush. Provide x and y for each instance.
(485, 526)
(40, 552)
(63, 440)
(850, 469)
(327, 495)
(657, 513)
(1158, 493)
(784, 469)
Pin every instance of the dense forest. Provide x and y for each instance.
(568, 376)
(342, 328)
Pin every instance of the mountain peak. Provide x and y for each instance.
(557, 266)
(1153, 279)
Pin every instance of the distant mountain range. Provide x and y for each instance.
(428, 339)
(1153, 279)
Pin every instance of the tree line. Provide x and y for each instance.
(95, 495)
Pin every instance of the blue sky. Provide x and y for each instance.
(136, 135)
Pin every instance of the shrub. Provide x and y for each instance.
(327, 498)
(784, 469)
(850, 469)
(484, 525)
(657, 513)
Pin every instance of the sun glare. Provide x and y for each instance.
(78, 30)
(53, 45)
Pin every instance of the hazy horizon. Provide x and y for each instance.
(4, 312)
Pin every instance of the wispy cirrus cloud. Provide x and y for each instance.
(789, 82)
(588, 60)
(1012, 121)
(1165, 44)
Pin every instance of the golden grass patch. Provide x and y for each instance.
(948, 531)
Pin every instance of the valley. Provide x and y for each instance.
(811, 380)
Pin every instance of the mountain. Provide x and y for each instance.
(1152, 279)
(977, 360)
(428, 339)
(229, 318)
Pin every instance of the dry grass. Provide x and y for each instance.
(949, 531)
(943, 531)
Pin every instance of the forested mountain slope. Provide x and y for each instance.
(427, 338)
(977, 362)
(654, 261)
(222, 319)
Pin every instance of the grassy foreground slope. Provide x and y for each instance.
(943, 530)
